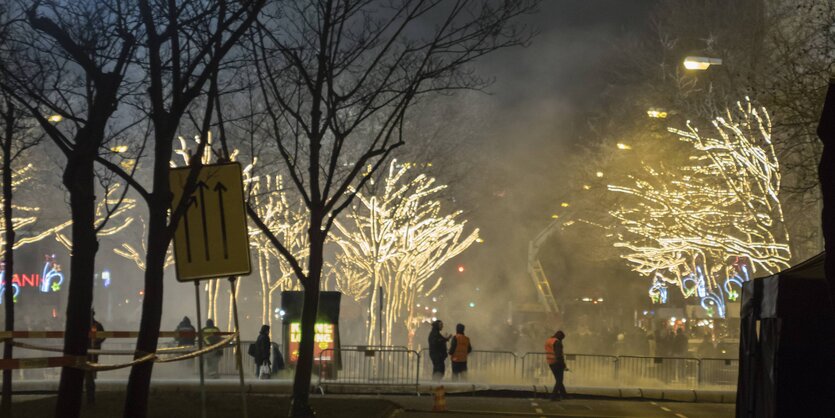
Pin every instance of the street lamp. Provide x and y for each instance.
(623, 146)
(700, 63)
(657, 113)
(55, 118)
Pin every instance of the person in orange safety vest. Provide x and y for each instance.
(556, 361)
(458, 350)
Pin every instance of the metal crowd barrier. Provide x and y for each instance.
(399, 367)
(674, 372)
(718, 372)
(384, 367)
(483, 366)
(584, 369)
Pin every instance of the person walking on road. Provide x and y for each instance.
(556, 361)
(261, 352)
(211, 337)
(95, 344)
(437, 350)
(459, 348)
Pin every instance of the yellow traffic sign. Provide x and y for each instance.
(211, 239)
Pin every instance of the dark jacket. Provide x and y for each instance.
(437, 344)
(559, 354)
(262, 346)
(185, 326)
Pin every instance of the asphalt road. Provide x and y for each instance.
(465, 406)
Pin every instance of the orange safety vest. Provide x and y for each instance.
(462, 348)
(549, 350)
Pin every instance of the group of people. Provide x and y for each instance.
(260, 350)
(211, 336)
(459, 348)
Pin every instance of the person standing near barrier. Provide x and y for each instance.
(211, 337)
(556, 361)
(186, 340)
(459, 348)
(437, 350)
(261, 351)
(95, 344)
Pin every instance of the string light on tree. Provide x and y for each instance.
(398, 240)
(707, 225)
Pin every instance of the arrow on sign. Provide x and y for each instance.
(203, 186)
(220, 188)
(191, 202)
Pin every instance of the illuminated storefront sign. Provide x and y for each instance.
(323, 340)
(50, 280)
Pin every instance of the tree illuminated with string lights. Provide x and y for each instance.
(708, 225)
(397, 240)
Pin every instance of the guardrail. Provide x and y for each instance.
(389, 367)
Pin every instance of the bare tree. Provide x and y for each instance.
(337, 79)
(183, 51)
(70, 59)
(16, 139)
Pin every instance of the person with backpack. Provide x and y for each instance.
(260, 351)
(211, 337)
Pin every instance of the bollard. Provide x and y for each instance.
(440, 400)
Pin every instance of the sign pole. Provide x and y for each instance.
(238, 343)
(200, 348)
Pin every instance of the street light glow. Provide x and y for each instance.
(657, 114)
(623, 146)
(700, 63)
(55, 118)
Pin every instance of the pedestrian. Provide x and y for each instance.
(186, 337)
(261, 352)
(212, 358)
(437, 350)
(95, 343)
(680, 343)
(459, 348)
(556, 361)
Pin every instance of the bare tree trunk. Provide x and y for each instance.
(299, 406)
(8, 254)
(826, 173)
(79, 180)
(136, 401)
(139, 382)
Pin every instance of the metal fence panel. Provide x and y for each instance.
(720, 373)
(636, 371)
(383, 366)
(483, 366)
(583, 370)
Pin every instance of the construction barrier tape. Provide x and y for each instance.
(81, 362)
(42, 362)
(100, 334)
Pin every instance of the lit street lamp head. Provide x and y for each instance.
(700, 63)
